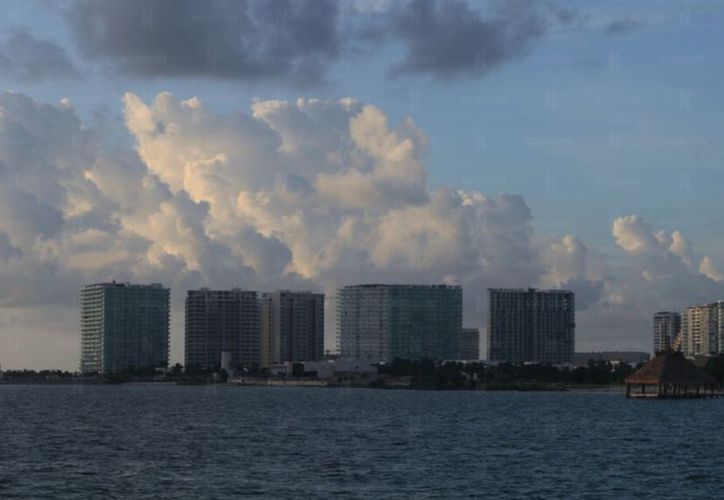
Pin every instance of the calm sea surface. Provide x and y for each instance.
(165, 441)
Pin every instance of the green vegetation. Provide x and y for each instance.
(715, 367)
(36, 376)
(427, 374)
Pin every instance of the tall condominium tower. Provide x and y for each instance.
(702, 329)
(468, 345)
(292, 325)
(666, 328)
(529, 325)
(124, 327)
(383, 322)
(222, 321)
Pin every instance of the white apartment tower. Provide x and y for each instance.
(702, 329)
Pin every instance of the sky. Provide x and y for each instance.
(313, 144)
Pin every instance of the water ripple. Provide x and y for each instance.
(198, 442)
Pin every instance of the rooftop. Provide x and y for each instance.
(670, 368)
(115, 284)
(383, 285)
(528, 290)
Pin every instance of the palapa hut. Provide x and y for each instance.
(670, 375)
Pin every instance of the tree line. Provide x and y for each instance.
(428, 374)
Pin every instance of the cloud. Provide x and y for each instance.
(298, 42)
(7, 250)
(252, 40)
(634, 235)
(572, 266)
(708, 268)
(450, 39)
(25, 58)
(661, 272)
(352, 185)
(622, 26)
(305, 194)
(588, 292)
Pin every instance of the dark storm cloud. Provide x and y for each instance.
(622, 26)
(449, 39)
(298, 41)
(26, 58)
(7, 250)
(222, 39)
(588, 292)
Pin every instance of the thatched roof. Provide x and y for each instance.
(670, 368)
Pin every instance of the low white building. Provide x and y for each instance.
(329, 368)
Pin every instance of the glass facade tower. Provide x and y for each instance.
(383, 322)
(530, 325)
(124, 327)
(222, 321)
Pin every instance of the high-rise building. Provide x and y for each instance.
(529, 325)
(383, 322)
(222, 322)
(292, 326)
(468, 345)
(702, 328)
(666, 327)
(124, 327)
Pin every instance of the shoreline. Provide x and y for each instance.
(318, 383)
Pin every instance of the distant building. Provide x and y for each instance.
(292, 326)
(468, 345)
(702, 328)
(340, 368)
(629, 357)
(383, 322)
(124, 327)
(222, 323)
(666, 327)
(529, 325)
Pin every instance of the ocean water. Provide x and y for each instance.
(166, 441)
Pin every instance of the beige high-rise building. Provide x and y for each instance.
(702, 329)
(292, 326)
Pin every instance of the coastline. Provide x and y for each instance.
(320, 383)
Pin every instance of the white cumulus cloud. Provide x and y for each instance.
(301, 194)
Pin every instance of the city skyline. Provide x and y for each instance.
(525, 144)
(267, 328)
(120, 326)
(261, 329)
(361, 248)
